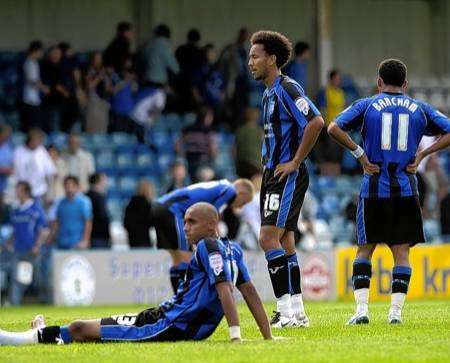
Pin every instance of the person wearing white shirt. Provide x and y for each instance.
(33, 164)
(80, 163)
(32, 88)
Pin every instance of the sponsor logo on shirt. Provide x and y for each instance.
(216, 263)
(302, 105)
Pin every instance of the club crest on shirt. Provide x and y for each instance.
(216, 263)
(302, 105)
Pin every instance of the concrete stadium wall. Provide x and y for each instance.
(87, 24)
(367, 31)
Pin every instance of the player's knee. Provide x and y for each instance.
(77, 330)
(267, 241)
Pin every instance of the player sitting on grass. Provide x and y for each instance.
(392, 125)
(205, 296)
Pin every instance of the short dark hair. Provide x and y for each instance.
(26, 186)
(274, 43)
(300, 48)
(34, 46)
(193, 35)
(95, 178)
(162, 30)
(393, 72)
(123, 26)
(72, 178)
(333, 73)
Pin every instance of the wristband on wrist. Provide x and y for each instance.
(235, 332)
(358, 152)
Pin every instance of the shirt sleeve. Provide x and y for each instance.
(243, 275)
(41, 220)
(225, 198)
(87, 209)
(437, 122)
(353, 116)
(212, 259)
(297, 104)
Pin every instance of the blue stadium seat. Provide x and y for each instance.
(164, 161)
(121, 138)
(115, 208)
(18, 138)
(162, 141)
(173, 122)
(105, 159)
(331, 205)
(146, 161)
(128, 184)
(189, 119)
(59, 139)
(126, 161)
(98, 140)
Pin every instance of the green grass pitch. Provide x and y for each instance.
(424, 337)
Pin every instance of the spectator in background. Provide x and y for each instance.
(138, 216)
(297, 68)
(122, 101)
(178, 177)
(71, 81)
(6, 159)
(249, 138)
(33, 164)
(159, 59)
(198, 143)
(29, 231)
(331, 102)
(98, 86)
(100, 237)
(118, 51)
(31, 112)
(80, 163)
(189, 57)
(233, 62)
(445, 218)
(209, 85)
(71, 218)
(58, 95)
(56, 190)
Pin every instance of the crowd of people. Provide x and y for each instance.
(60, 196)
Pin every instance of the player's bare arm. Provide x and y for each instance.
(440, 144)
(256, 307)
(225, 292)
(344, 139)
(309, 139)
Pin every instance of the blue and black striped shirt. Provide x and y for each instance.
(286, 111)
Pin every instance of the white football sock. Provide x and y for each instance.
(297, 305)
(19, 338)
(397, 301)
(362, 300)
(284, 305)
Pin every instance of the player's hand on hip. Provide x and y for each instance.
(368, 167)
(412, 168)
(283, 170)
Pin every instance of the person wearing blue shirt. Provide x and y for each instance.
(6, 158)
(391, 125)
(168, 213)
(29, 231)
(297, 68)
(204, 297)
(292, 125)
(72, 220)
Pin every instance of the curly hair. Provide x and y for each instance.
(392, 72)
(274, 43)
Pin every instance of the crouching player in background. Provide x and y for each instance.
(205, 296)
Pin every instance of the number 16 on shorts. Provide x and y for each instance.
(271, 204)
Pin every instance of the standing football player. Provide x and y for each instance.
(291, 127)
(392, 125)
